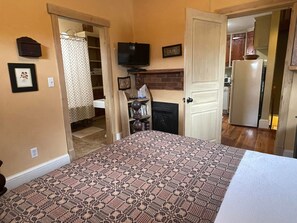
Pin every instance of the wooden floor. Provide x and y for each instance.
(247, 138)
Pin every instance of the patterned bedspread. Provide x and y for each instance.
(147, 177)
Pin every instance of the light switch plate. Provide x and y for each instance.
(51, 82)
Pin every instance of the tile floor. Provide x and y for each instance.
(88, 144)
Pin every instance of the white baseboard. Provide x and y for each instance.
(37, 171)
(288, 153)
(118, 136)
(264, 124)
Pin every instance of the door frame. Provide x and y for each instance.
(264, 6)
(103, 24)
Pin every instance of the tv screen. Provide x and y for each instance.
(133, 54)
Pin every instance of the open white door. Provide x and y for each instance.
(205, 46)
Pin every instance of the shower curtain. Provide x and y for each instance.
(77, 78)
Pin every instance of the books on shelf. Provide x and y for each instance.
(143, 111)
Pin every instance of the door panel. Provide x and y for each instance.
(207, 67)
(208, 119)
(205, 47)
(205, 97)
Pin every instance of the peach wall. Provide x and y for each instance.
(34, 119)
(162, 23)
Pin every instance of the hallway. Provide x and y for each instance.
(260, 140)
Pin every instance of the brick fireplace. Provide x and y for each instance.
(167, 86)
(167, 79)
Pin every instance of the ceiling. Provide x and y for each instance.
(244, 24)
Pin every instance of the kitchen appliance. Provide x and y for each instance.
(247, 89)
(226, 100)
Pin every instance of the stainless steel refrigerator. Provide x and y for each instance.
(247, 88)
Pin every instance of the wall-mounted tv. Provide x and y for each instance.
(133, 54)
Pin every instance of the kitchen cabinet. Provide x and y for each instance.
(250, 49)
(262, 32)
(228, 50)
(238, 46)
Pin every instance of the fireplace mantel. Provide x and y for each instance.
(159, 71)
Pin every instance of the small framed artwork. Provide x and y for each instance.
(172, 51)
(124, 83)
(22, 77)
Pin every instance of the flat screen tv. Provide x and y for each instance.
(133, 54)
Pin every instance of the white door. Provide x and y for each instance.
(205, 47)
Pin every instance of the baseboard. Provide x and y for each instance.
(264, 124)
(288, 153)
(118, 136)
(37, 171)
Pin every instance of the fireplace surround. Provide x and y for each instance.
(165, 117)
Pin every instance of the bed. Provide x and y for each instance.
(152, 176)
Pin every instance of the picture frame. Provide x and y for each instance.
(22, 77)
(124, 83)
(172, 51)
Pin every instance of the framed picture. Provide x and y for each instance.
(172, 51)
(124, 83)
(22, 77)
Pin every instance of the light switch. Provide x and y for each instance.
(51, 82)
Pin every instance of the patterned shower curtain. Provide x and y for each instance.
(77, 78)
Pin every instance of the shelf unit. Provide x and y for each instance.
(95, 67)
(127, 119)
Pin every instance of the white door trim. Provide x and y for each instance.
(103, 24)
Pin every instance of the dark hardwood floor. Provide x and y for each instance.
(260, 140)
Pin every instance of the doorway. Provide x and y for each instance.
(81, 54)
(266, 36)
(57, 12)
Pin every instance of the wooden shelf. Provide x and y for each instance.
(98, 87)
(94, 47)
(138, 99)
(142, 118)
(125, 106)
(158, 71)
(95, 62)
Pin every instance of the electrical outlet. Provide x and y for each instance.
(34, 152)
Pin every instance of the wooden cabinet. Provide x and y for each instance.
(228, 50)
(250, 49)
(95, 67)
(262, 32)
(126, 112)
(238, 46)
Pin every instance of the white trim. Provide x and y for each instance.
(37, 171)
(118, 136)
(264, 124)
(288, 153)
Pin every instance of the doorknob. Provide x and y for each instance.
(189, 100)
